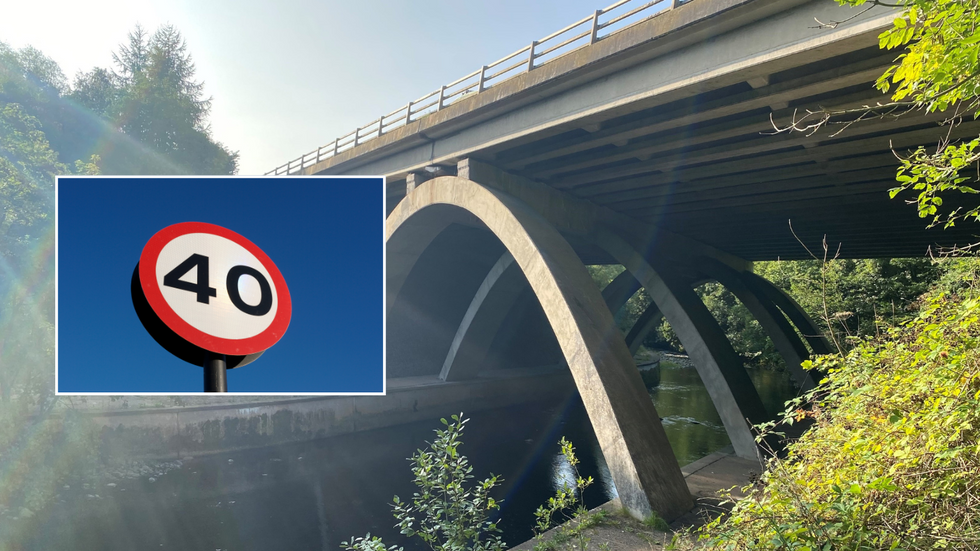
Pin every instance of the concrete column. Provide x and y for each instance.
(619, 291)
(719, 366)
(813, 335)
(487, 310)
(491, 303)
(626, 424)
(788, 344)
(648, 320)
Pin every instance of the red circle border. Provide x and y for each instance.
(236, 347)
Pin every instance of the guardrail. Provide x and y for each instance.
(582, 33)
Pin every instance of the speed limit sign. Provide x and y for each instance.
(212, 291)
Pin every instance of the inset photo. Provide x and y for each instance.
(251, 285)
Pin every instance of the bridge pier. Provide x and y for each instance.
(788, 344)
(719, 366)
(484, 316)
(626, 423)
(532, 228)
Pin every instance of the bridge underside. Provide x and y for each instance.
(654, 151)
(678, 131)
(481, 276)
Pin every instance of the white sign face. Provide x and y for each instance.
(214, 288)
(212, 259)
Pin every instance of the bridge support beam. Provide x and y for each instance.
(719, 366)
(492, 302)
(490, 305)
(648, 320)
(788, 344)
(792, 309)
(619, 291)
(626, 423)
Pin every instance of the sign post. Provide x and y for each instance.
(210, 297)
(215, 373)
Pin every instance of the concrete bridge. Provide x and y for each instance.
(641, 142)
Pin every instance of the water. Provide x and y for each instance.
(688, 416)
(313, 495)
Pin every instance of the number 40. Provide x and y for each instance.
(204, 290)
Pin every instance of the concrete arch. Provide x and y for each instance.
(490, 305)
(721, 369)
(817, 341)
(485, 314)
(788, 344)
(627, 426)
(649, 319)
(619, 291)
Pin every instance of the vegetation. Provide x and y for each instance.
(891, 461)
(449, 514)
(937, 71)
(860, 297)
(853, 299)
(147, 117)
(446, 513)
(568, 502)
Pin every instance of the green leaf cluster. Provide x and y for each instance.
(937, 71)
(892, 460)
(568, 500)
(448, 512)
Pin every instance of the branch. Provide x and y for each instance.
(814, 120)
(834, 24)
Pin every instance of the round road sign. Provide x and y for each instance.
(214, 289)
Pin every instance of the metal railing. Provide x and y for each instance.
(582, 33)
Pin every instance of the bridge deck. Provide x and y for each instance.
(672, 123)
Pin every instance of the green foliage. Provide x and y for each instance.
(159, 104)
(566, 497)
(742, 329)
(27, 170)
(654, 521)
(150, 117)
(938, 70)
(574, 532)
(891, 461)
(860, 295)
(446, 513)
(568, 502)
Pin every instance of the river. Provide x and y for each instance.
(313, 495)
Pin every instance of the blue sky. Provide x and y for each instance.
(287, 77)
(325, 235)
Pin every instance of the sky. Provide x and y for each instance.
(326, 237)
(289, 76)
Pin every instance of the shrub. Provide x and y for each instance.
(892, 460)
(447, 513)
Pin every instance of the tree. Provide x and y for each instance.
(861, 296)
(95, 90)
(939, 71)
(160, 105)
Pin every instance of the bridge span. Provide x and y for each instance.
(649, 147)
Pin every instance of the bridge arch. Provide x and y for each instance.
(626, 423)
(719, 366)
(786, 341)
